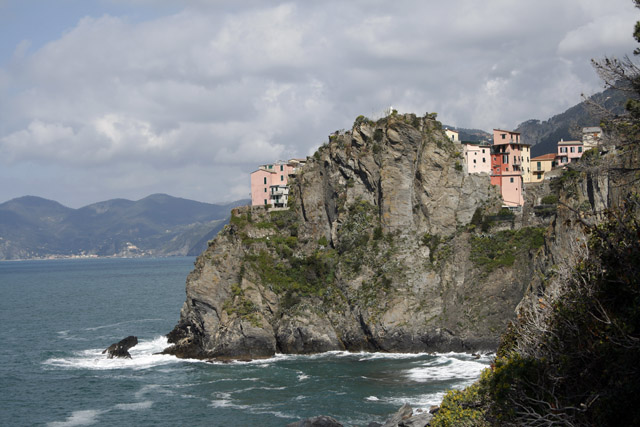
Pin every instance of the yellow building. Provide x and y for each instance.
(526, 166)
(540, 165)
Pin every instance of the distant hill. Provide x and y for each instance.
(544, 136)
(470, 134)
(158, 225)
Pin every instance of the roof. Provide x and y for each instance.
(263, 170)
(569, 142)
(480, 143)
(548, 156)
(508, 131)
(451, 130)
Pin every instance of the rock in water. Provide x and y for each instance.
(121, 348)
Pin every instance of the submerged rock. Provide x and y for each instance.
(121, 348)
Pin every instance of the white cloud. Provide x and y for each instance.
(206, 93)
(603, 34)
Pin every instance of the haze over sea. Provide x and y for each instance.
(58, 315)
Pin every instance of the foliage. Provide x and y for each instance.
(241, 306)
(304, 276)
(378, 134)
(550, 199)
(572, 359)
(501, 249)
(463, 407)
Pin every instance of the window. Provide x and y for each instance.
(265, 189)
(265, 202)
(281, 168)
(505, 159)
(281, 177)
(510, 179)
(474, 161)
(539, 166)
(579, 149)
(265, 180)
(484, 160)
(483, 151)
(573, 149)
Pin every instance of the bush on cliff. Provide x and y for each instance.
(572, 359)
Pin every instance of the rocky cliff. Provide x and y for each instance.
(388, 246)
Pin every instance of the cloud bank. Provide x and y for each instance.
(189, 102)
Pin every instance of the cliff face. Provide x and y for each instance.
(380, 251)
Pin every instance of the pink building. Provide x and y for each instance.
(509, 163)
(477, 156)
(270, 183)
(569, 151)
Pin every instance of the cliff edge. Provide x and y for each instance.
(388, 245)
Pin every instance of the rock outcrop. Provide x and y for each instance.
(121, 348)
(387, 247)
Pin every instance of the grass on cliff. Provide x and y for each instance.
(500, 249)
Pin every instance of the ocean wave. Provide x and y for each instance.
(137, 406)
(420, 402)
(142, 357)
(447, 367)
(79, 418)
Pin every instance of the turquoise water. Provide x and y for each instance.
(57, 316)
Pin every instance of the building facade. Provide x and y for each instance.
(569, 151)
(452, 135)
(270, 183)
(591, 136)
(540, 165)
(509, 164)
(477, 156)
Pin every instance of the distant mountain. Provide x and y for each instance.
(544, 136)
(158, 225)
(471, 134)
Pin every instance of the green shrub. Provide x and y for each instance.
(501, 249)
(550, 199)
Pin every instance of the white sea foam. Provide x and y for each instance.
(372, 399)
(303, 377)
(446, 367)
(223, 400)
(142, 357)
(138, 406)
(79, 418)
(421, 402)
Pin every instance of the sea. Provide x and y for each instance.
(57, 316)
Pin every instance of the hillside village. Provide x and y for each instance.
(506, 159)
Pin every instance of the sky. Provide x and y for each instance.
(108, 99)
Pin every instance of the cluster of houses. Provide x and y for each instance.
(507, 161)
